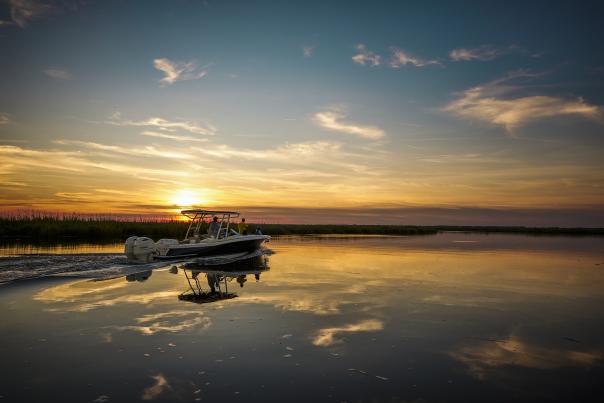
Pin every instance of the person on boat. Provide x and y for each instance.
(258, 231)
(214, 227)
(242, 227)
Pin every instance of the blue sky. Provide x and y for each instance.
(387, 105)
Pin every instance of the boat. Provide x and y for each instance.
(223, 241)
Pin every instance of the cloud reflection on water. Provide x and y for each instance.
(487, 356)
(298, 302)
(75, 291)
(142, 299)
(327, 337)
(86, 295)
(165, 322)
(153, 391)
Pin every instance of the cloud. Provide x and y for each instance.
(14, 156)
(327, 337)
(366, 57)
(482, 53)
(498, 103)
(331, 120)
(16, 160)
(143, 151)
(5, 118)
(283, 153)
(308, 50)
(22, 12)
(401, 58)
(177, 71)
(164, 125)
(172, 136)
(398, 58)
(59, 74)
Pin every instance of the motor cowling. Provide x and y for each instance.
(140, 249)
(164, 244)
(129, 246)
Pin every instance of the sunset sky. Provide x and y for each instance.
(388, 112)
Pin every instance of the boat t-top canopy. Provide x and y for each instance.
(197, 212)
(197, 217)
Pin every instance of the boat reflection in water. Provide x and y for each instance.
(140, 276)
(209, 281)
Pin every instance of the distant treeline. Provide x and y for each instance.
(86, 229)
(319, 229)
(521, 230)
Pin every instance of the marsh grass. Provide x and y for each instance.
(59, 229)
(84, 229)
(90, 229)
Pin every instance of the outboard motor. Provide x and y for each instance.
(140, 249)
(164, 244)
(129, 248)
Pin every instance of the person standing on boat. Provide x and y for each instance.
(242, 227)
(214, 227)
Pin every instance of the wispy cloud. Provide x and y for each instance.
(365, 57)
(58, 73)
(499, 103)
(22, 12)
(18, 159)
(146, 151)
(401, 58)
(23, 158)
(482, 53)
(332, 120)
(170, 136)
(288, 152)
(164, 125)
(5, 118)
(178, 71)
(308, 50)
(398, 58)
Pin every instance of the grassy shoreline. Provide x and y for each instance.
(61, 229)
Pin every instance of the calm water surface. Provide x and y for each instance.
(453, 317)
(18, 248)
